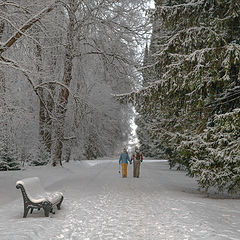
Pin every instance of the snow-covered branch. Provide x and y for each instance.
(229, 96)
(41, 85)
(18, 34)
(13, 4)
(12, 64)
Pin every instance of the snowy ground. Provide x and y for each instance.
(160, 205)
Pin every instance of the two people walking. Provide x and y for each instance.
(137, 158)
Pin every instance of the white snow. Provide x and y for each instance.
(162, 204)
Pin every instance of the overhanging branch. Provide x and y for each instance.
(19, 33)
(14, 65)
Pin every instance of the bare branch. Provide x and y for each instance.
(51, 82)
(14, 65)
(13, 4)
(7, 20)
(26, 26)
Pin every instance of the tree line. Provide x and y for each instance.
(61, 61)
(189, 108)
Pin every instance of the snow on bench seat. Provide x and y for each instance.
(35, 197)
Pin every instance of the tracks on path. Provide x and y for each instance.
(99, 204)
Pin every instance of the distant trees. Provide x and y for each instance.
(100, 34)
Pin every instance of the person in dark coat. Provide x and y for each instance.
(137, 158)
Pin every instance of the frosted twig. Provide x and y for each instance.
(19, 33)
(14, 65)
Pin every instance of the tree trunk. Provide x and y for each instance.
(48, 122)
(2, 75)
(50, 105)
(42, 117)
(62, 101)
(2, 90)
(68, 152)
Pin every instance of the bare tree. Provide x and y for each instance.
(86, 23)
(98, 39)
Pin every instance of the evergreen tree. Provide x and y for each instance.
(9, 157)
(42, 155)
(194, 57)
(215, 155)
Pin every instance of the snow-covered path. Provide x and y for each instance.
(99, 204)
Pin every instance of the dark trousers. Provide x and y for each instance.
(136, 168)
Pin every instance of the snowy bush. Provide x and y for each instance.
(41, 156)
(9, 156)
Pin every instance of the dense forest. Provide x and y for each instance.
(67, 67)
(189, 108)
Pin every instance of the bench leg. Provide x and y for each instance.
(46, 212)
(31, 211)
(51, 211)
(47, 207)
(59, 204)
(26, 209)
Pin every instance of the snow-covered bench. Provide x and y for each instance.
(35, 197)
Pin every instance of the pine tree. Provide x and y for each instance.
(215, 155)
(194, 57)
